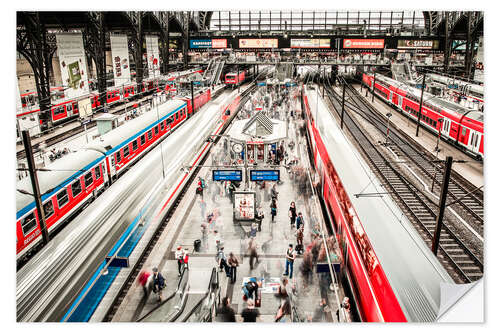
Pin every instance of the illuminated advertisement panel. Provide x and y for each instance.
(309, 43)
(258, 43)
(363, 44)
(418, 44)
(73, 64)
(208, 43)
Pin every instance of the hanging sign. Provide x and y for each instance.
(119, 59)
(73, 64)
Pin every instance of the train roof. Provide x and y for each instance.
(429, 98)
(413, 271)
(62, 172)
(143, 123)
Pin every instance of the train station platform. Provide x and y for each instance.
(472, 170)
(272, 242)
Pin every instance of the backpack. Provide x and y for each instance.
(202, 183)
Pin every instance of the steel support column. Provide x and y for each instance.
(447, 42)
(136, 45)
(94, 40)
(469, 47)
(31, 43)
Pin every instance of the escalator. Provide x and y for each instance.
(191, 302)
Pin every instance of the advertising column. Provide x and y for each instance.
(120, 60)
(73, 64)
(153, 55)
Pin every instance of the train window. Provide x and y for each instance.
(28, 224)
(150, 135)
(62, 198)
(162, 126)
(176, 116)
(156, 130)
(464, 131)
(97, 171)
(48, 209)
(69, 107)
(143, 139)
(88, 179)
(134, 145)
(76, 187)
(126, 151)
(170, 120)
(118, 157)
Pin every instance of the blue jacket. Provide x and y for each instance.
(159, 281)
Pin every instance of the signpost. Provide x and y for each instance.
(267, 175)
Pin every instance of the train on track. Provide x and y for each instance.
(471, 91)
(77, 178)
(62, 110)
(455, 123)
(234, 78)
(387, 268)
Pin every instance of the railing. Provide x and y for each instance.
(206, 308)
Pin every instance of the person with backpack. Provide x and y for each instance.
(274, 209)
(300, 239)
(222, 261)
(158, 283)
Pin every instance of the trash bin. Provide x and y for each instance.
(197, 245)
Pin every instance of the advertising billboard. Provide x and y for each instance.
(73, 64)
(363, 43)
(220, 43)
(120, 60)
(418, 44)
(258, 43)
(153, 55)
(244, 206)
(309, 43)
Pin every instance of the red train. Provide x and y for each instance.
(66, 191)
(235, 79)
(461, 126)
(387, 270)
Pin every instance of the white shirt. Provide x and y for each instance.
(179, 254)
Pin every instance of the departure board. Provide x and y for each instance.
(259, 175)
(223, 175)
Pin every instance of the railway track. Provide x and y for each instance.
(456, 257)
(68, 134)
(157, 234)
(466, 197)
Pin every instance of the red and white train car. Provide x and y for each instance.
(461, 126)
(235, 79)
(390, 272)
(65, 192)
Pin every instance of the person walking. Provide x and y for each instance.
(250, 313)
(226, 312)
(259, 217)
(158, 283)
(143, 281)
(290, 257)
(274, 209)
(292, 214)
(222, 261)
(203, 209)
(179, 256)
(274, 192)
(252, 249)
(233, 264)
(299, 221)
(232, 189)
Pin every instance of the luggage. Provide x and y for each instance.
(197, 245)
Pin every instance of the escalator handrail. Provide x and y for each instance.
(214, 277)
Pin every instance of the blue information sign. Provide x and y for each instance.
(258, 175)
(223, 175)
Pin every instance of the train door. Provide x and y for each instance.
(400, 101)
(474, 141)
(446, 127)
(390, 97)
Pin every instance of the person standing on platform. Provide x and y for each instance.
(232, 189)
(158, 283)
(233, 264)
(226, 312)
(292, 213)
(179, 256)
(250, 314)
(252, 250)
(222, 261)
(274, 209)
(290, 258)
(203, 209)
(299, 234)
(143, 281)
(299, 221)
(274, 192)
